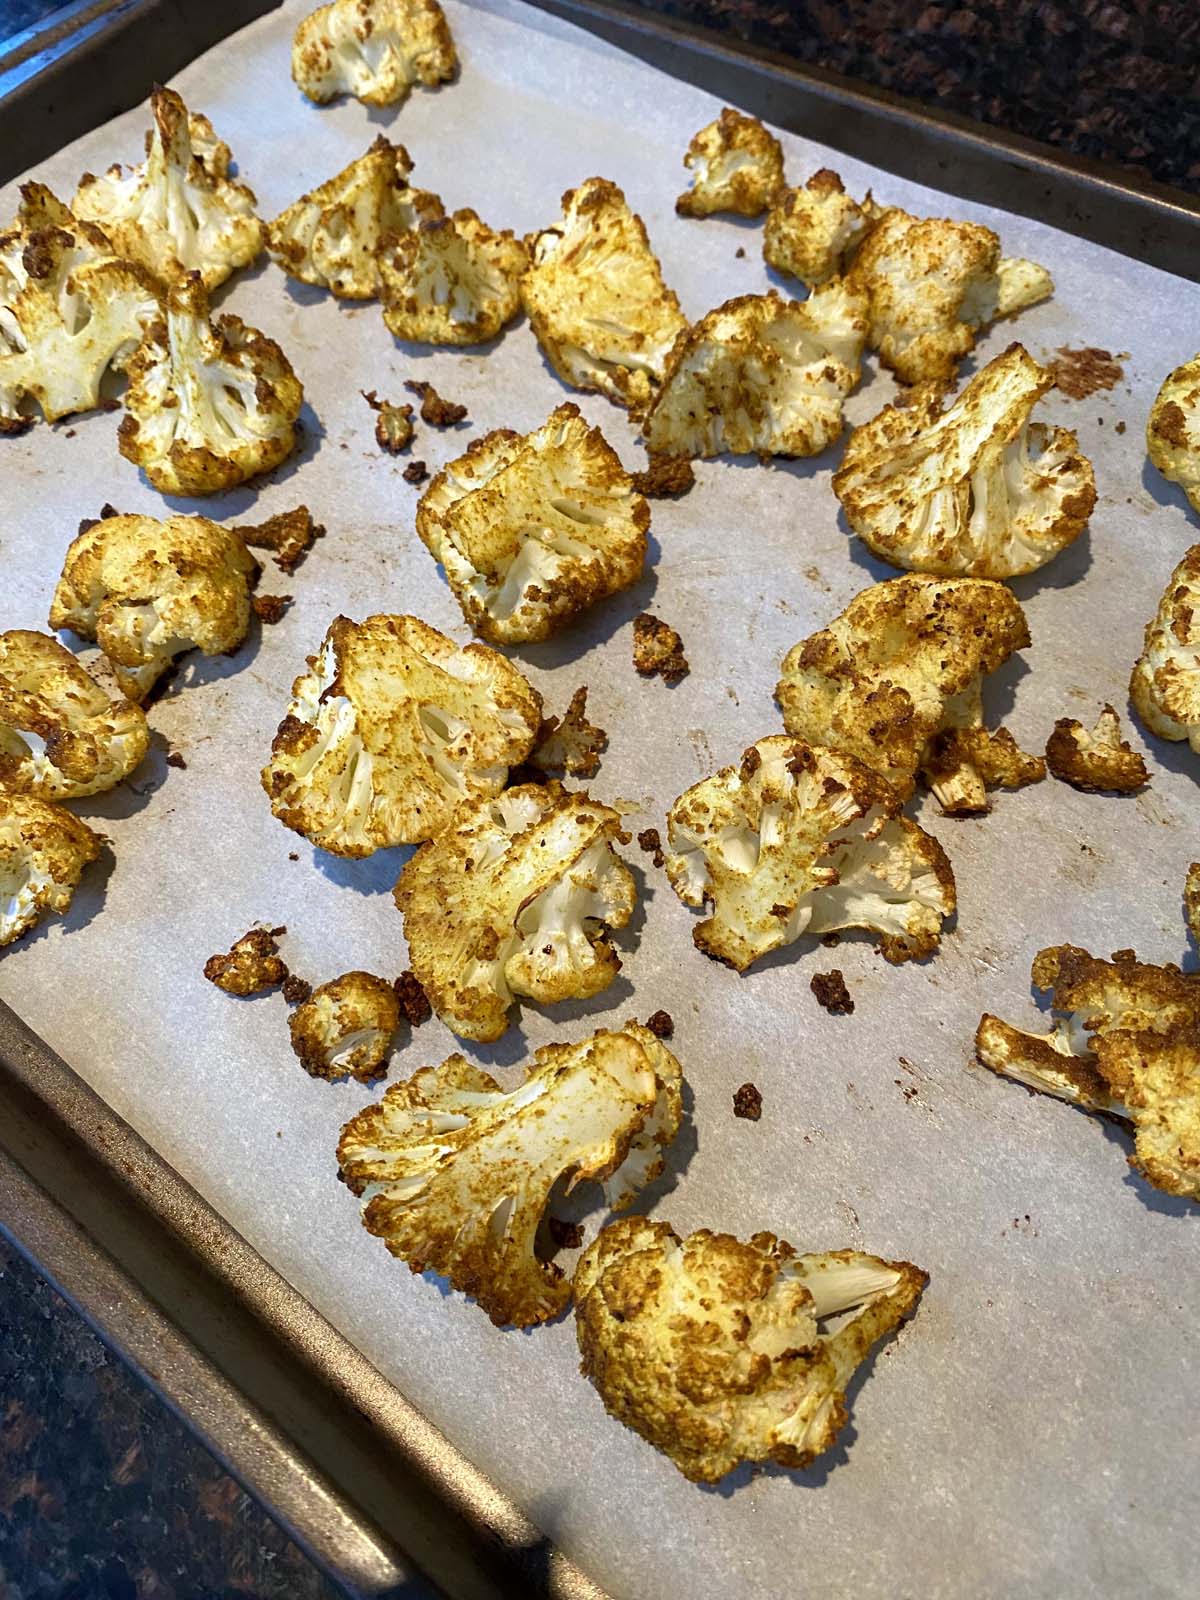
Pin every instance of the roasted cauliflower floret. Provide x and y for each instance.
(1165, 687)
(572, 744)
(1191, 902)
(760, 375)
(1128, 1043)
(976, 490)
(346, 1026)
(1099, 761)
(718, 1352)
(69, 310)
(146, 591)
(532, 529)
(43, 853)
(516, 897)
(1173, 429)
(374, 50)
(736, 165)
(897, 681)
(331, 236)
(178, 212)
(813, 232)
(251, 966)
(796, 839)
(595, 297)
(61, 736)
(455, 1174)
(453, 280)
(393, 726)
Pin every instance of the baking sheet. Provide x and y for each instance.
(1032, 1431)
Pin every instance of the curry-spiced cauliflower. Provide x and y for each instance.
(718, 1351)
(897, 681)
(812, 232)
(1165, 687)
(346, 1027)
(796, 839)
(252, 965)
(1191, 902)
(392, 727)
(596, 300)
(451, 280)
(570, 744)
(736, 165)
(1099, 762)
(375, 50)
(532, 529)
(456, 1174)
(43, 852)
(1173, 429)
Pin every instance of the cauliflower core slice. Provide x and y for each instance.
(974, 491)
(736, 165)
(896, 681)
(61, 736)
(1100, 761)
(455, 1174)
(146, 591)
(532, 530)
(813, 232)
(178, 212)
(43, 853)
(1128, 1043)
(760, 375)
(796, 839)
(374, 50)
(595, 297)
(391, 728)
(1165, 687)
(516, 897)
(346, 1026)
(453, 280)
(209, 405)
(718, 1351)
(1173, 429)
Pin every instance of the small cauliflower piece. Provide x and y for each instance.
(289, 536)
(390, 729)
(374, 50)
(346, 1027)
(596, 300)
(813, 232)
(718, 1351)
(1173, 429)
(760, 375)
(795, 840)
(658, 649)
(146, 591)
(1191, 902)
(897, 681)
(976, 490)
(252, 965)
(455, 1174)
(516, 896)
(532, 529)
(436, 410)
(736, 165)
(451, 281)
(1127, 1043)
(572, 745)
(393, 424)
(1100, 761)
(1165, 687)
(43, 852)
(61, 737)
(178, 212)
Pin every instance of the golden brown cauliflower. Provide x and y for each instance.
(43, 853)
(897, 681)
(572, 744)
(736, 165)
(346, 1026)
(658, 649)
(1191, 902)
(813, 232)
(516, 897)
(468, 1203)
(392, 727)
(1165, 687)
(718, 1351)
(251, 966)
(146, 591)
(1100, 761)
(451, 280)
(374, 50)
(532, 529)
(1173, 429)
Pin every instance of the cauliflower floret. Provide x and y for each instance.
(393, 726)
(897, 681)
(572, 745)
(736, 165)
(331, 236)
(1173, 429)
(455, 1174)
(1101, 761)
(533, 529)
(451, 281)
(69, 310)
(974, 491)
(178, 212)
(812, 233)
(61, 736)
(1128, 1044)
(1165, 687)
(761, 375)
(596, 300)
(718, 1351)
(516, 897)
(146, 591)
(373, 49)
(43, 852)
(798, 840)
(346, 1026)
(209, 405)
(658, 649)
(1191, 902)
(251, 966)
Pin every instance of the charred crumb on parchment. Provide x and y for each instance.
(650, 840)
(296, 990)
(661, 1024)
(832, 993)
(269, 608)
(415, 472)
(414, 1002)
(747, 1103)
(657, 648)
(435, 410)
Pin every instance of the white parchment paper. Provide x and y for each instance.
(1033, 1432)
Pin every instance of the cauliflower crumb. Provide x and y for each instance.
(1191, 902)
(650, 840)
(412, 999)
(270, 608)
(665, 477)
(661, 1024)
(812, 233)
(252, 966)
(736, 165)
(296, 989)
(747, 1103)
(374, 50)
(415, 472)
(832, 993)
(451, 281)
(393, 424)
(290, 536)
(657, 648)
(1165, 687)
(573, 745)
(44, 850)
(1173, 429)
(439, 413)
(346, 1027)
(1101, 761)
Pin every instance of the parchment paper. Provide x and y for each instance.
(1033, 1431)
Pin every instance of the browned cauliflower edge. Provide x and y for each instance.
(1100, 762)
(346, 1027)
